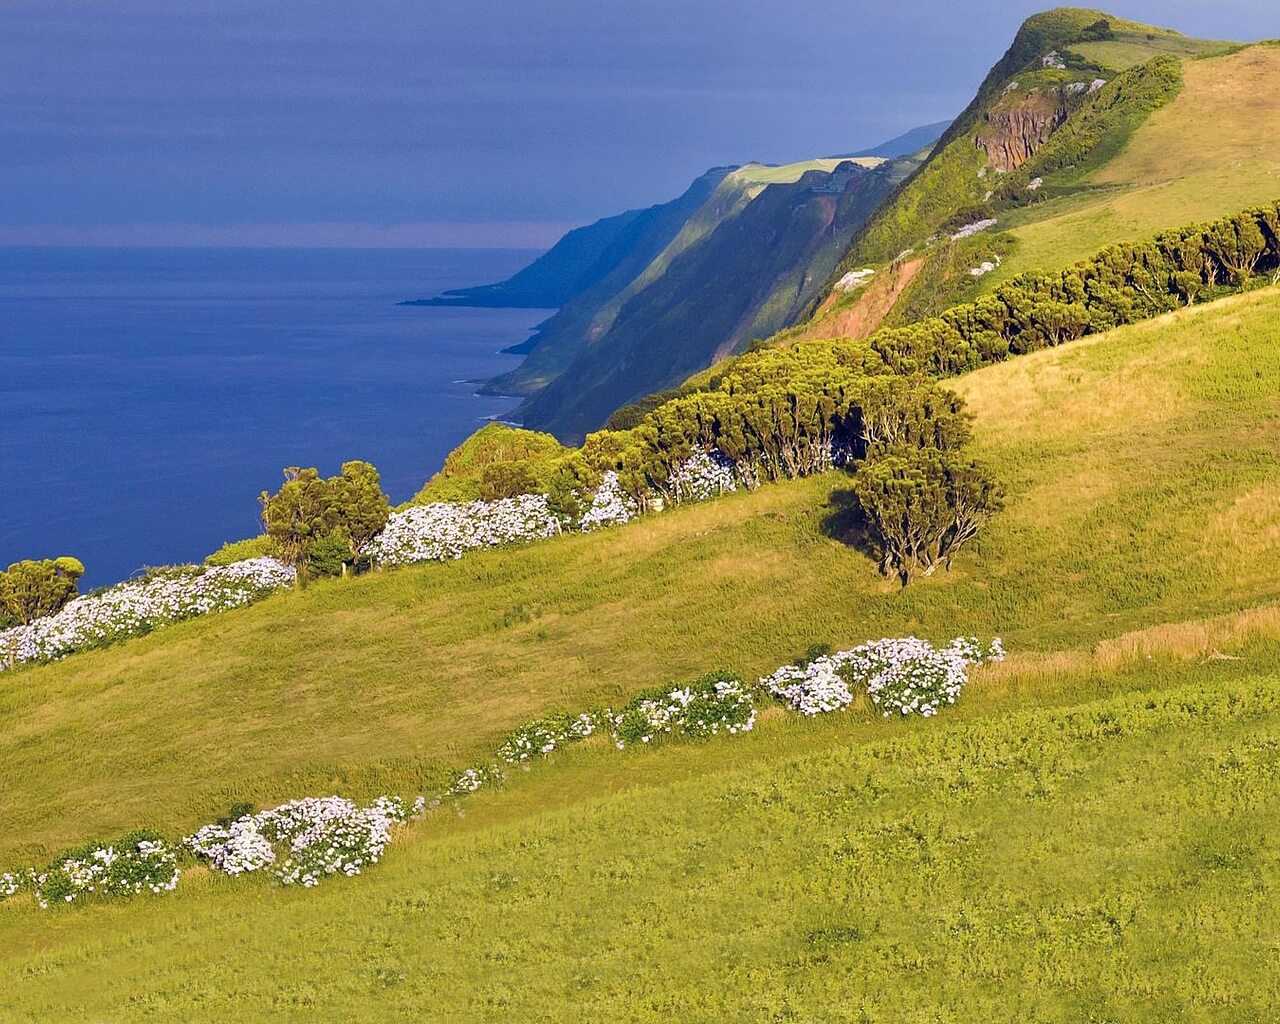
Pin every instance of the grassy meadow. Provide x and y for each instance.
(1011, 861)
(1082, 838)
(1143, 469)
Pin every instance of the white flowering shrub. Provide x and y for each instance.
(713, 704)
(909, 676)
(140, 862)
(446, 530)
(812, 689)
(14, 882)
(302, 841)
(705, 474)
(610, 505)
(139, 606)
(905, 677)
(545, 736)
(471, 779)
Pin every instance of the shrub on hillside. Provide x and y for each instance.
(546, 735)
(708, 706)
(33, 589)
(240, 550)
(139, 862)
(445, 530)
(302, 841)
(921, 506)
(333, 519)
(900, 676)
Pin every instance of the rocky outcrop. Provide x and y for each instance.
(1018, 126)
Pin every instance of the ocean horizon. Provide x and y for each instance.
(148, 395)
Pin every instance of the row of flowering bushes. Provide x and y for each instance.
(907, 676)
(139, 606)
(305, 841)
(434, 532)
(444, 530)
(139, 862)
(438, 531)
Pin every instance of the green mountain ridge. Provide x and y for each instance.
(586, 256)
(750, 273)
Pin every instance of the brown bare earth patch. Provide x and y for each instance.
(871, 307)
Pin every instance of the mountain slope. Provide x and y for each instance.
(906, 144)
(595, 272)
(586, 256)
(747, 278)
(1087, 800)
(1047, 134)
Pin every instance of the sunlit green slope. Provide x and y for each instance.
(1059, 164)
(1084, 835)
(1143, 469)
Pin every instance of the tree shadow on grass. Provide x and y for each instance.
(845, 521)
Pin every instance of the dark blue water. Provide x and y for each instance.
(148, 395)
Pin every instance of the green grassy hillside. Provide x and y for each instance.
(1083, 835)
(1107, 860)
(1195, 159)
(1173, 137)
(1158, 438)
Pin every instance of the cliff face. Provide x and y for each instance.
(589, 257)
(1018, 126)
(754, 272)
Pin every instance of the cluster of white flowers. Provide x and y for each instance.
(969, 230)
(142, 866)
(855, 279)
(610, 505)
(471, 779)
(705, 708)
(545, 736)
(445, 530)
(13, 882)
(705, 474)
(905, 677)
(985, 267)
(136, 607)
(303, 840)
(812, 689)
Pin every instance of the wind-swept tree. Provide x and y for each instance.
(358, 506)
(921, 506)
(297, 516)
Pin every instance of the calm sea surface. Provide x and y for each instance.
(148, 395)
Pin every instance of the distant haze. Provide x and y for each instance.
(484, 123)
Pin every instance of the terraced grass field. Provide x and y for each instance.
(1084, 835)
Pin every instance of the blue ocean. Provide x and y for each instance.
(147, 396)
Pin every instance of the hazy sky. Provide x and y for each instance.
(466, 121)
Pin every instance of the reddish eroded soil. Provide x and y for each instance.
(871, 307)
